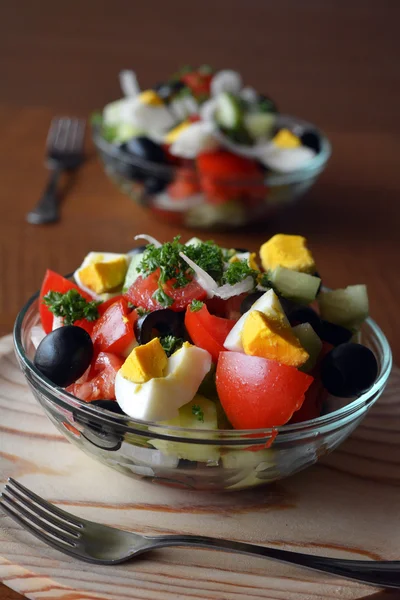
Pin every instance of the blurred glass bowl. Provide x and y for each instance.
(176, 194)
(197, 459)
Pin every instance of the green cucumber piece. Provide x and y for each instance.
(310, 342)
(229, 114)
(347, 307)
(260, 125)
(132, 274)
(299, 287)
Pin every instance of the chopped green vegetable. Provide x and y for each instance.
(228, 253)
(264, 281)
(239, 270)
(71, 306)
(197, 412)
(142, 311)
(170, 344)
(196, 305)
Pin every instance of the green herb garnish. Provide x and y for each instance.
(71, 306)
(197, 412)
(141, 311)
(96, 119)
(264, 281)
(239, 270)
(171, 344)
(173, 267)
(196, 305)
(162, 297)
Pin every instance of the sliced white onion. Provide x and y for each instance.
(57, 322)
(148, 238)
(37, 334)
(249, 94)
(226, 81)
(286, 160)
(211, 286)
(202, 277)
(129, 83)
(207, 109)
(227, 291)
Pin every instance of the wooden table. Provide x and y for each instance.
(334, 63)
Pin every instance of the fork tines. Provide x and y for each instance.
(47, 522)
(66, 135)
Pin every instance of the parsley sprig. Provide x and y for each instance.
(171, 344)
(71, 306)
(239, 270)
(197, 412)
(196, 305)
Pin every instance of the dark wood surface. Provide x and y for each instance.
(334, 63)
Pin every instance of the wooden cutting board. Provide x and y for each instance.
(348, 505)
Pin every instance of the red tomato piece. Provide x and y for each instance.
(316, 393)
(224, 176)
(199, 83)
(101, 380)
(141, 293)
(207, 331)
(113, 331)
(56, 283)
(256, 393)
(185, 184)
(229, 309)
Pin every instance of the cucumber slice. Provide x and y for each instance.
(260, 125)
(229, 114)
(347, 307)
(200, 413)
(299, 287)
(132, 273)
(310, 342)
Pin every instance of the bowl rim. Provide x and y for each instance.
(314, 166)
(230, 437)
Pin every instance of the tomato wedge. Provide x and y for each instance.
(113, 331)
(207, 331)
(101, 379)
(142, 291)
(256, 392)
(57, 283)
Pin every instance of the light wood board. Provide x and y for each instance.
(348, 505)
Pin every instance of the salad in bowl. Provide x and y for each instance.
(183, 356)
(204, 150)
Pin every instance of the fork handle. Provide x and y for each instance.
(385, 574)
(47, 209)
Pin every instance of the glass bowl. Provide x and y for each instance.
(197, 459)
(178, 195)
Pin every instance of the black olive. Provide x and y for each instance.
(166, 90)
(349, 370)
(145, 148)
(160, 323)
(312, 140)
(241, 250)
(334, 334)
(155, 185)
(110, 405)
(100, 435)
(305, 314)
(289, 306)
(249, 300)
(64, 354)
(125, 168)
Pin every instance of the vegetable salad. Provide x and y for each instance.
(196, 335)
(202, 142)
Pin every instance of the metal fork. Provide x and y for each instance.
(64, 151)
(105, 545)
